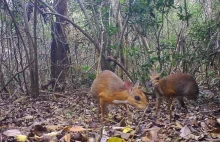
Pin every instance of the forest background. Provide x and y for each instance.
(61, 42)
(51, 51)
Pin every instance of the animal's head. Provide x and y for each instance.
(136, 97)
(155, 78)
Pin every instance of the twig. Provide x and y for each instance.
(64, 95)
(209, 111)
(213, 140)
(15, 76)
(71, 22)
(121, 66)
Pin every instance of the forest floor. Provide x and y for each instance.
(74, 117)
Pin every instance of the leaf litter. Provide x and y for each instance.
(75, 118)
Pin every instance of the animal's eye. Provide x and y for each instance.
(137, 98)
(157, 78)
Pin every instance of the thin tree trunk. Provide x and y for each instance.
(33, 72)
(36, 76)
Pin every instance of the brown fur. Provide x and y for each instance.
(108, 87)
(175, 85)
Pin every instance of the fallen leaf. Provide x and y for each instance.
(21, 138)
(185, 132)
(115, 139)
(216, 130)
(194, 137)
(77, 129)
(215, 133)
(210, 122)
(104, 138)
(12, 133)
(179, 125)
(91, 139)
(218, 120)
(204, 126)
(46, 137)
(104, 132)
(51, 134)
(53, 127)
(94, 109)
(67, 137)
(125, 135)
(147, 138)
(151, 135)
(37, 138)
(29, 117)
(127, 130)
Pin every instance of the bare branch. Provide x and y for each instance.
(71, 22)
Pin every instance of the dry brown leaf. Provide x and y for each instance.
(77, 129)
(37, 138)
(216, 130)
(147, 138)
(53, 127)
(178, 125)
(67, 137)
(210, 122)
(194, 137)
(66, 129)
(215, 133)
(152, 135)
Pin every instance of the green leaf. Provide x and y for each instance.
(86, 68)
(112, 30)
(122, 1)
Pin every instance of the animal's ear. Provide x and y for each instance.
(156, 76)
(128, 85)
(137, 84)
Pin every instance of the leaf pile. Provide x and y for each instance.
(74, 117)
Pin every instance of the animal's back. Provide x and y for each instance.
(181, 83)
(107, 82)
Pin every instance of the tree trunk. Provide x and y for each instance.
(59, 45)
(33, 54)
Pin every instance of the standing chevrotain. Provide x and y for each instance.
(177, 85)
(110, 89)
